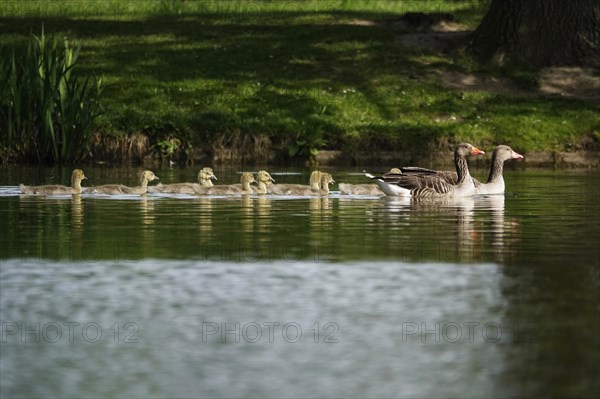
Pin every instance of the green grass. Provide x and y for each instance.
(302, 75)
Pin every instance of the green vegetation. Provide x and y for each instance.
(252, 77)
(46, 110)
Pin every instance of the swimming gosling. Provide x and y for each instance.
(233, 189)
(205, 178)
(115, 189)
(56, 189)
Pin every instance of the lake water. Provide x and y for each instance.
(159, 296)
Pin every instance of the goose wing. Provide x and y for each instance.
(415, 185)
(450, 176)
(425, 185)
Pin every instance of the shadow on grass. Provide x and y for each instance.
(329, 79)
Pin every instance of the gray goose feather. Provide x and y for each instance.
(495, 181)
(429, 185)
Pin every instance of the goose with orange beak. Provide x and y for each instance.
(426, 185)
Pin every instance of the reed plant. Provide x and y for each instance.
(47, 109)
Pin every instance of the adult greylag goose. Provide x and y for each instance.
(326, 180)
(424, 185)
(263, 179)
(495, 182)
(115, 189)
(76, 177)
(365, 189)
(314, 183)
(205, 178)
(232, 189)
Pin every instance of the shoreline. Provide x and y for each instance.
(555, 159)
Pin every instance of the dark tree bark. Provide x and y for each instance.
(542, 32)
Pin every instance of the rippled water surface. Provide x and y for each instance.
(263, 296)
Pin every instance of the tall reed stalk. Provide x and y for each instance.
(47, 110)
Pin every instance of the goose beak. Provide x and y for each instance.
(516, 155)
(477, 151)
(270, 178)
(213, 177)
(156, 178)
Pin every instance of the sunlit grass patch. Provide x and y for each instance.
(308, 75)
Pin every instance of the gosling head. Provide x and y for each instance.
(395, 171)
(265, 177)
(316, 176)
(78, 175)
(149, 175)
(326, 179)
(247, 178)
(206, 174)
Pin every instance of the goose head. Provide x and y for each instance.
(205, 176)
(504, 152)
(466, 149)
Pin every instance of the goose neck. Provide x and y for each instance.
(462, 169)
(496, 170)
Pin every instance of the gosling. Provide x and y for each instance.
(325, 180)
(115, 189)
(205, 178)
(233, 189)
(314, 183)
(264, 180)
(76, 177)
(365, 189)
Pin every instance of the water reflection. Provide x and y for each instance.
(320, 209)
(76, 213)
(147, 211)
(493, 215)
(370, 265)
(204, 215)
(465, 229)
(263, 217)
(247, 214)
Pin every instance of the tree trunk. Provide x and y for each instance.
(542, 32)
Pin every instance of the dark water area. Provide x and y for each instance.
(195, 296)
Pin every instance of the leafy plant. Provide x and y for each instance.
(47, 110)
(168, 146)
(307, 143)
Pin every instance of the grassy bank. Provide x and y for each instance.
(246, 79)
